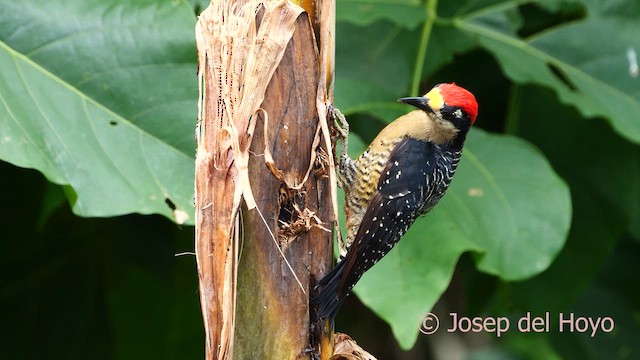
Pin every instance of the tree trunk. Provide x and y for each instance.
(265, 83)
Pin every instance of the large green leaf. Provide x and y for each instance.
(408, 13)
(505, 204)
(605, 195)
(598, 80)
(378, 63)
(373, 65)
(101, 96)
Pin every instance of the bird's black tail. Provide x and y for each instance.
(328, 298)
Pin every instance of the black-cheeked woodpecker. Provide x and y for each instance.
(403, 174)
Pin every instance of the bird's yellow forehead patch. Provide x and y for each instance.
(436, 101)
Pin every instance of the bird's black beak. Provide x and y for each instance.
(420, 102)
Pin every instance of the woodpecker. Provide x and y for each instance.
(403, 174)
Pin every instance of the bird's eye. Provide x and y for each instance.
(448, 113)
(457, 113)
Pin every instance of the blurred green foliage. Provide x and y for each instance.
(100, 97)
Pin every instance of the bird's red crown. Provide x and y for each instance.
(456, 96)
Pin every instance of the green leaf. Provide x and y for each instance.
(373, 65)
(100, 96)
(618, 8)
(406, 13)
(605, 195)
(515, 233)
(507, 198)
(532, 346)
(445, 43)
(597, 80)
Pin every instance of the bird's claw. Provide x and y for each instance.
(340, 124)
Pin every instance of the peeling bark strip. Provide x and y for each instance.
(259, 60)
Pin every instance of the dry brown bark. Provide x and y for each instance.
(265, 182)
